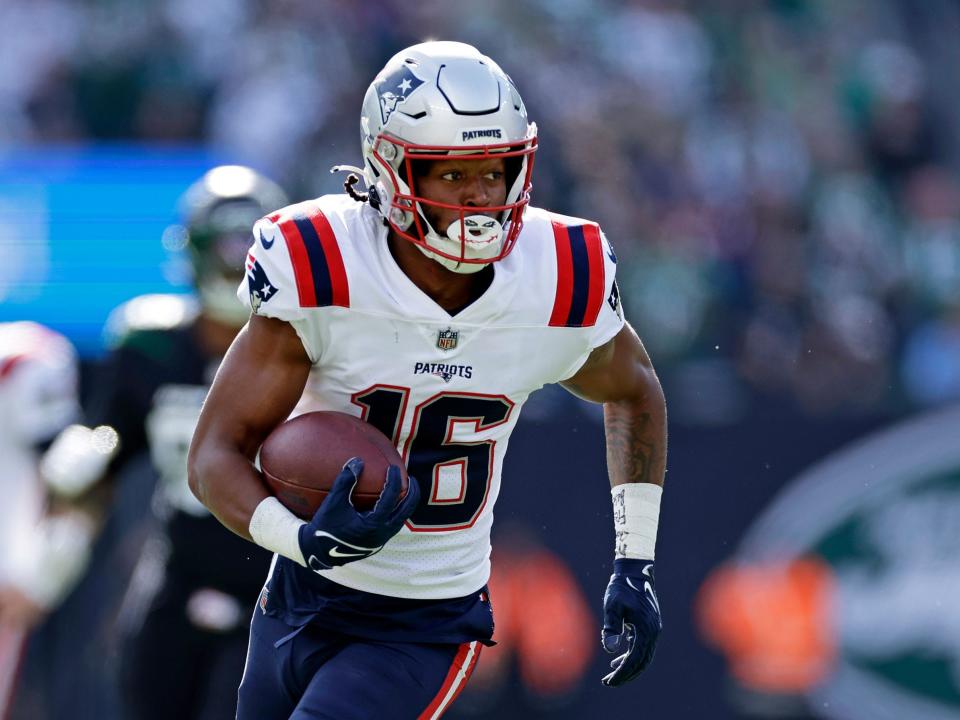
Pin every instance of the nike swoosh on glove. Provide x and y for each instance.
(339, 534)
(631, 619)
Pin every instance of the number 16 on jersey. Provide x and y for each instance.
(454, 475)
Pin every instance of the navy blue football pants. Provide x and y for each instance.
(319, 675)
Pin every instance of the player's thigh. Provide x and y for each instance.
(264, 692)
(280, 664)
(388, 681)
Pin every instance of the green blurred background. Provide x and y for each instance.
(779, 179)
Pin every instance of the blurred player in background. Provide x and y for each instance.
(184, 659)
(195, 586)
(38, 399)
(433, 305)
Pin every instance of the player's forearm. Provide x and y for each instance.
(226, 482)
(636, 433)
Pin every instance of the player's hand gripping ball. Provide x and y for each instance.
(339, 534)
(302, 457)
(346, 478)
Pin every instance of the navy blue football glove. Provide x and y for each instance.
(631, 619)
(339, 534)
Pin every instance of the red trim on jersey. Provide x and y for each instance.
(358, 399)
(561, 305)
(455, 681)
(434, 499)
(451, 422)
(12, 644)
(301, 263)
(8, 364)
(595, 295)
(580, 275)
(331, 250)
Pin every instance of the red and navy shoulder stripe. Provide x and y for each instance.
(317, 262)
(580, 275)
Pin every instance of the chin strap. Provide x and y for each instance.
(346, 168)
(352, 179)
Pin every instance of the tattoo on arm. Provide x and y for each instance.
(636, 445)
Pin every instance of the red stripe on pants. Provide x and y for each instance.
(455, 681)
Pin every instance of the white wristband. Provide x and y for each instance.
(636, 514)
(277, 529)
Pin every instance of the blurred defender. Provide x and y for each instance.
(38, 399)
(196, 585)
(184, 659)
(432, 306)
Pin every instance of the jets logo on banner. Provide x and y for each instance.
(394, 89)
(853, 557)
(258, 284)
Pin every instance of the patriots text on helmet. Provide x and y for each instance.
(494, 133)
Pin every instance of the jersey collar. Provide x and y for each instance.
(415, 303)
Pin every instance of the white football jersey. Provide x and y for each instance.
(447, 389)
(38, 398)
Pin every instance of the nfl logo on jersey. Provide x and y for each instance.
(447, 339)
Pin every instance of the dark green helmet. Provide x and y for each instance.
(218, 212)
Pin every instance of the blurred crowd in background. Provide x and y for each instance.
(779, 179)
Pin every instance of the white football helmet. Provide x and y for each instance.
(38, 382)
(432, 101)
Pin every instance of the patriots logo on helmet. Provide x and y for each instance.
(394, 89)
(259, 285)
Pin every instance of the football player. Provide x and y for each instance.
(186, 655)
(196, 583)
(38, 399)
(431, 305)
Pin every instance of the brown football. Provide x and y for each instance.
(302, 457)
